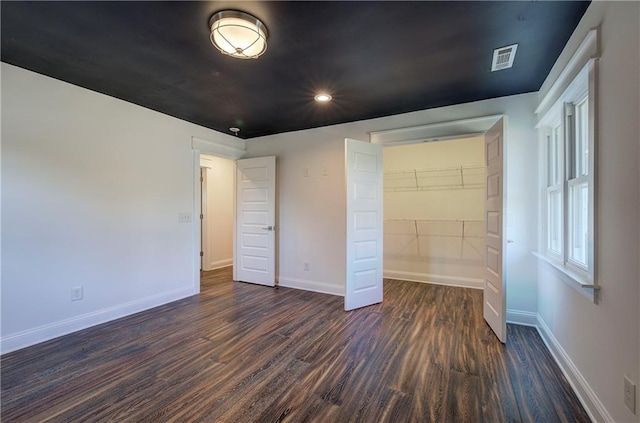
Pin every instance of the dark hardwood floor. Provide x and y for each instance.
(245, 353)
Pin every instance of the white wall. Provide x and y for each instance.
(91, 191)
(111, 221)
(312, 210)
(219, 219)
(310, 214)
(440, 254)
(602, 341)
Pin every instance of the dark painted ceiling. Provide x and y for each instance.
(375, 58)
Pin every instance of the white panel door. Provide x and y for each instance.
(494, 280)
(364, 224)
(254, 259)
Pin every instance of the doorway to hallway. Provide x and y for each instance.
(216, 213)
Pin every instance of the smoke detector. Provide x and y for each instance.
(503, 57)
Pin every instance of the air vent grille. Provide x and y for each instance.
(503, 57)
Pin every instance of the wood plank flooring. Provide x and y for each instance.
(245, 353)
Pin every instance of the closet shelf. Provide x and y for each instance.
(461, 177)
(464, 238)
(452, 228)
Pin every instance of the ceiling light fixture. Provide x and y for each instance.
(238, 34)
(234, 130)
(322, 98)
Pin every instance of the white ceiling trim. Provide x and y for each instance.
(587, 50)
(435, 132)
(220, 149)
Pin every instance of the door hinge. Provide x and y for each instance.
(201, 254)
(201, 179)
(201, 216)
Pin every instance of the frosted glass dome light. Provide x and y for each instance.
(238, 34)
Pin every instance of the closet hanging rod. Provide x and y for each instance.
(441, 169)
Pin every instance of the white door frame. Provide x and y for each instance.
(438, 131)
(206, 165)
(233, 149)
(202, 218)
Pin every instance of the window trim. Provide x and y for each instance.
(583, 86)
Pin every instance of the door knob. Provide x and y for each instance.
(269, 228)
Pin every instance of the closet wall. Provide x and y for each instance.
(434, 210)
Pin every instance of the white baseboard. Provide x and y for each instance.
(43, 333)
(587, 397)
(435, 279)
(524, 318)
(219, 264)
(307, 285)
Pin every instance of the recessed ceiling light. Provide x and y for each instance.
(322, 98)
(234, 130)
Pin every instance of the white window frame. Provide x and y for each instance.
(562, 115)
(553, 133)
(575, 180)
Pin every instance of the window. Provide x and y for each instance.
(554, 196)
(578, 183)
(568, 142)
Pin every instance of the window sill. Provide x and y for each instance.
(574, 279)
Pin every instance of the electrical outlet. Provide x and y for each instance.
(630, 395)
(305, 172)
(306, 265)
(184, 217)
(76, 293)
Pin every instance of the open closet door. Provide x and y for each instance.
(364, 174)
(494, 279)
(254, 258)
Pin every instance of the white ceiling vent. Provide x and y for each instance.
(503, 57)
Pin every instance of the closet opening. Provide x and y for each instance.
(434, 208)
